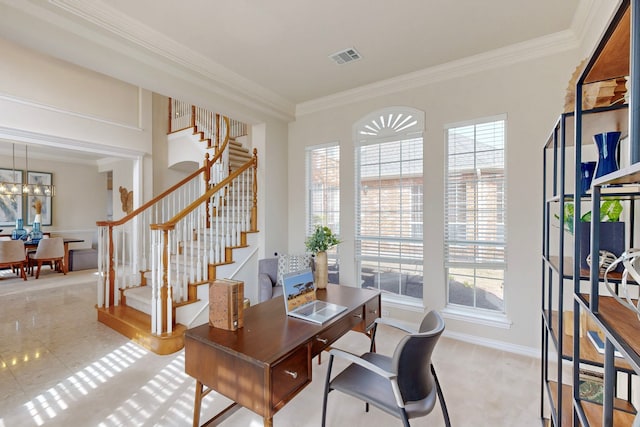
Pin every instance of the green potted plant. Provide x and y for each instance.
(321, 240)
(611, 228)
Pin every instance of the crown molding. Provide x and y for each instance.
(53, 141)
(525, 51)
(583, 18)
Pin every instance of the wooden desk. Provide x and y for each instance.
(66, 241)
(263, 365)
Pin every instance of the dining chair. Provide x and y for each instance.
(48, 251)
(404, 385)
(12, 255)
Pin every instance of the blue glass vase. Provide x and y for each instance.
(36, 233)
(19, 232)
(586, 175)
(607, 143)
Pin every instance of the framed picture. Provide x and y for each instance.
(44, 178)
(10, 206)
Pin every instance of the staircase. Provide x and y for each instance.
(156, 263)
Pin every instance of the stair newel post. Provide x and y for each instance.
(164, 288)
(254, 207)
(193, 116)
(112, 273)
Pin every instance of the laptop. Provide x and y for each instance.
(300, 298)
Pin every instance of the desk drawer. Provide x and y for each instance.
(290, 375)
(325, 338)
(371, 312)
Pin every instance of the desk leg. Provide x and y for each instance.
(268, 422)
(66, 258)
(196, 405)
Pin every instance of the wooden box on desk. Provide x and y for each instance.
(226, 300)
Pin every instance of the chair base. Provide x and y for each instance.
(57, 264)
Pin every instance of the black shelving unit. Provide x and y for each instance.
(565, 285)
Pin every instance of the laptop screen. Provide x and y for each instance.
(298, 288)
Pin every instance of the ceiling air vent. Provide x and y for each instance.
(344, 56)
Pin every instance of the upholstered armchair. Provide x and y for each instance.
(12, 254)
(50, 251)
(270, 271)
(268, 279)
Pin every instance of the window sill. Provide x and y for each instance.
(497, 320)
(405, 303)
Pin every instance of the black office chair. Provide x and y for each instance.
(405, 385)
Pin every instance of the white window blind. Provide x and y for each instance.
(390, 210)
(475, 195)
(323, 187)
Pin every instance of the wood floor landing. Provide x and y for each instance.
(136, 325)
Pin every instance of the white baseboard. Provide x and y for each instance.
(495, 344)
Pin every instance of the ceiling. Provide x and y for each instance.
(284, 45)
(278, 51)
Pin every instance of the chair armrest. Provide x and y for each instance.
(397, 324)
(265, 287)
(359, 361)
(393, 378)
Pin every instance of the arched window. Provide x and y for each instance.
(389, 184)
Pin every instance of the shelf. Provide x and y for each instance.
(567, 398)
(588, 354)
(621, 326)
(611, 62)
(622, 416)
(627, 175)
(593, 122)
(614, 276)
(593, 412)
(622, 192)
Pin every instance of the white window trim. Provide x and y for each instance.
(475, 314)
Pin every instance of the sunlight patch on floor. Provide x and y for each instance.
(49, 404)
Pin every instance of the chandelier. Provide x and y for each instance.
(16, 186)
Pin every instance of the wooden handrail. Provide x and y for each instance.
(220, 151)
(170, 225)
(152, 201)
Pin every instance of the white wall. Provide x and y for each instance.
(46, 96)
(531, 94)
(270, 139)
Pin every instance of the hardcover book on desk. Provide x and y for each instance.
(226, 299)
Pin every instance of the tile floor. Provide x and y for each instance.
(60, 367)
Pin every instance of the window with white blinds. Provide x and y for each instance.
(475, 211)
(323, 195)
(389, 190)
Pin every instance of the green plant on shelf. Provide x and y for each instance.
(610, 211)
